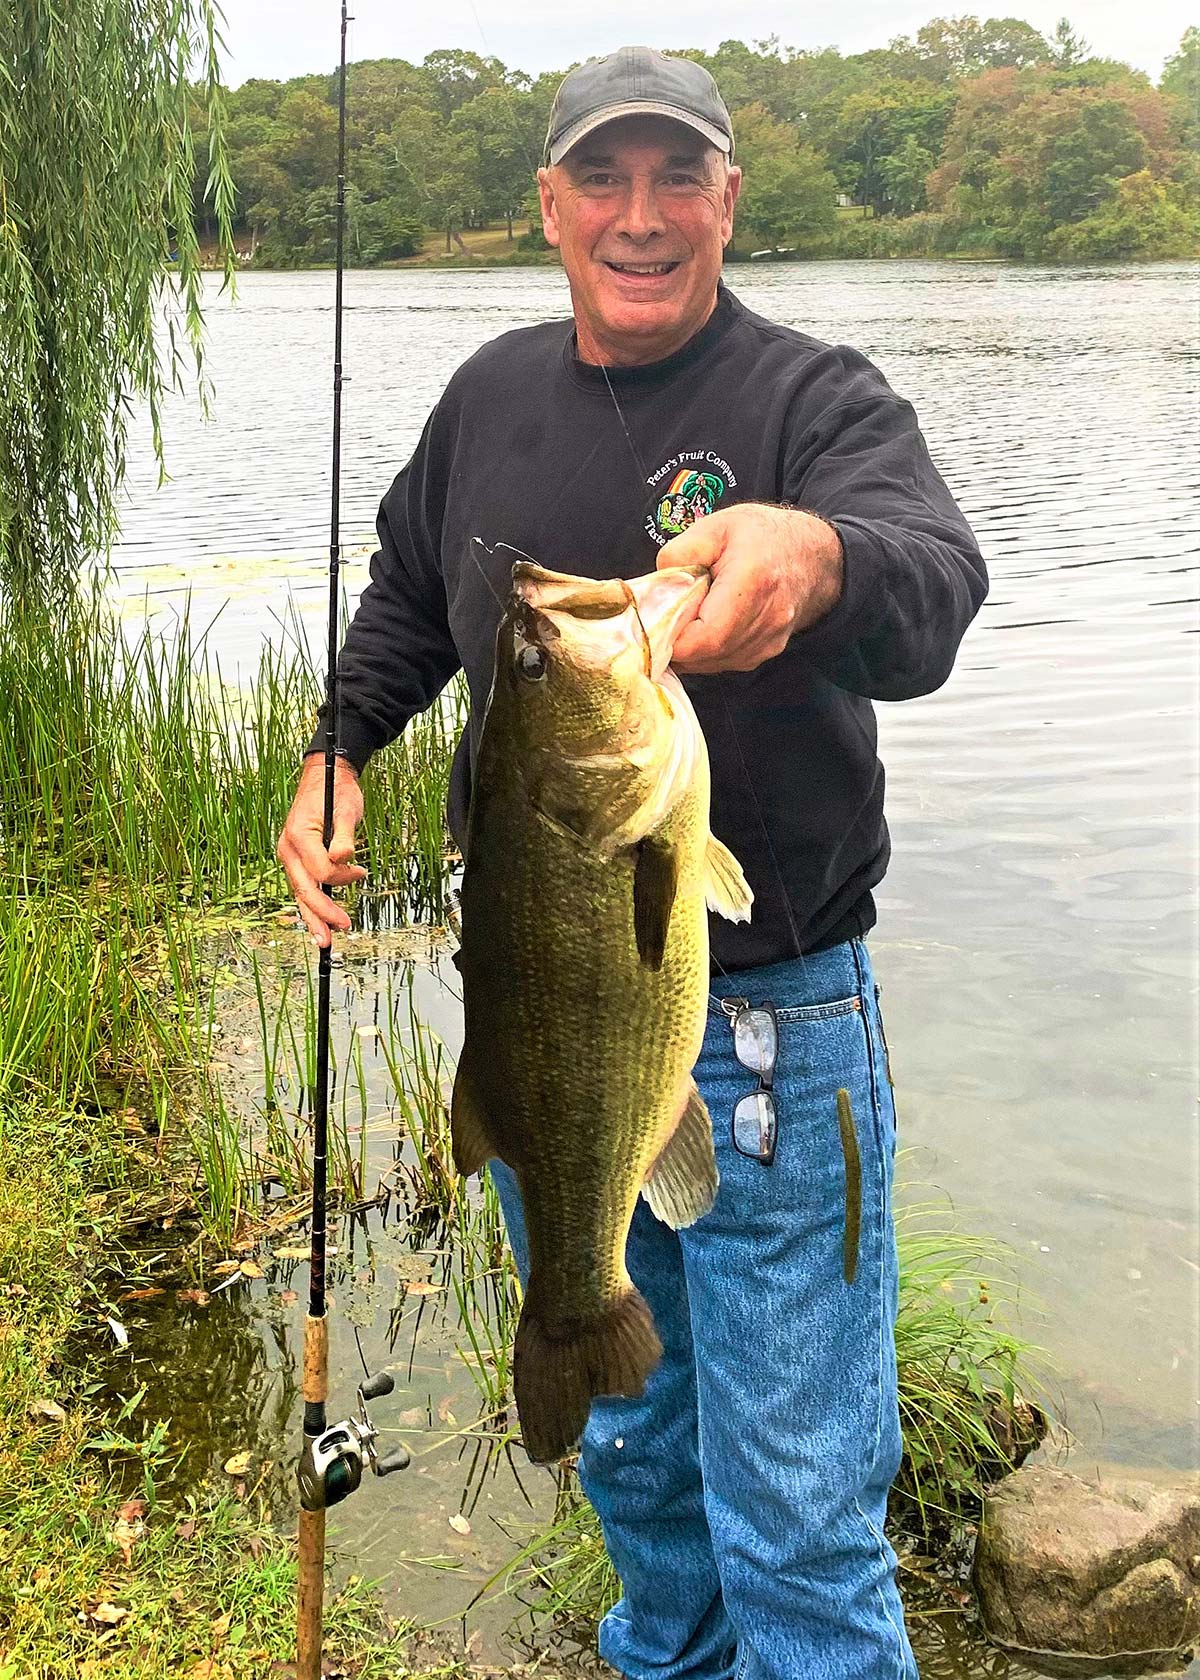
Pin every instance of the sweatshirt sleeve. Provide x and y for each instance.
(914, 577)
(398, 653)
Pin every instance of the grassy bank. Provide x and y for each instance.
(141, 797)
(95, 1580)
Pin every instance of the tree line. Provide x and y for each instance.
(970, 136)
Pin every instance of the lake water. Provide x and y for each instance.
(1037, 934)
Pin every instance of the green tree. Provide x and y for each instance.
(903, 174)
(787, 192)
(1067, 48)
(502, 129)
(97, 242)
(1085, 145)
(963, 46)
(1139, 218)
(1181, 81)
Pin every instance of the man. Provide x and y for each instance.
(743, 1496)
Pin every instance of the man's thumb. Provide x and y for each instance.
(699, 545)
(341, 845)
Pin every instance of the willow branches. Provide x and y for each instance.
(100, 273)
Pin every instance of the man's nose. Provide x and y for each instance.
(640, 217)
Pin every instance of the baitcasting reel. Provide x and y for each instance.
(331, 1464)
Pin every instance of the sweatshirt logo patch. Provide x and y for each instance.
(686, 488)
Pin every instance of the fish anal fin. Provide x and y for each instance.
(468, 1127)
(655, 881)
(725, 887)
(559, 1369)
(682, 1184)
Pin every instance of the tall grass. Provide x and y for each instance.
(130, 761)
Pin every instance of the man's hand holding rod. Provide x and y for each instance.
(301, 849)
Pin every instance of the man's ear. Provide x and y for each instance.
(545, 181)
(733, 186)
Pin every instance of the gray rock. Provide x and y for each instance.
(1084, 1578)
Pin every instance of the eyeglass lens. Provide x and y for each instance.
(756, 1040)
(754, 1125)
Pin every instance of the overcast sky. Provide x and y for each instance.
(282, 38)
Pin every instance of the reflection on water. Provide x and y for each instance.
(1037, 932)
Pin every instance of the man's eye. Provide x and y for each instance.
(598, 180)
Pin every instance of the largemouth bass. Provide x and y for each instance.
(584, 964)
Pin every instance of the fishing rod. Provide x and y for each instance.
(331, 1462)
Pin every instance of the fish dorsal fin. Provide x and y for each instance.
(682, 1183)
(725, 887)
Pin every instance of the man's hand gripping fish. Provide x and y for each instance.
(585, 967)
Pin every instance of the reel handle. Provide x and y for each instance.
(374, 1388)
(398, 1459)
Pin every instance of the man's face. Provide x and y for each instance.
(641, 211)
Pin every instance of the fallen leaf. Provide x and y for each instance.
(293, 1252)
(195, 1297)
(288, 1297)
(129, 1528)
(143, 1294)
(255, 1546)
(459, 1523)
(251, 1270)
(444, 1413)
(185, 1530)
(104, 1614)
(239, 1464)
(421, 1287)
(220, 1627)
(118, 1330)
(224, 1267)
(49, 1410)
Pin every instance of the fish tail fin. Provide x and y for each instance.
(560, 1368)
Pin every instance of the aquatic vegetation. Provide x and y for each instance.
(133, 763)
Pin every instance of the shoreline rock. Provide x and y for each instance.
(1081, 1578)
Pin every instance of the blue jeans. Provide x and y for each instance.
(743, 1496)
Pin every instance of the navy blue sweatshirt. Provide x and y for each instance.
(529, 447)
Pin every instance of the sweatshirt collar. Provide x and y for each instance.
(592, 376)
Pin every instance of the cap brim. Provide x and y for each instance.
(580, 129)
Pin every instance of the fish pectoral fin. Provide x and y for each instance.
(468, 1126)
(725, 887)
(655, 882)
(682, 1183)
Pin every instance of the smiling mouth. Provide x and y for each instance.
(642, 268)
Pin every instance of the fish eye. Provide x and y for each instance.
(532, 663)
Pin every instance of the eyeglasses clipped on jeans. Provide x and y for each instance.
(755, 1031)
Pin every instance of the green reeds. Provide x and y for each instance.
(129, 760)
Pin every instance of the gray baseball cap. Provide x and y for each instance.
(636, 82)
